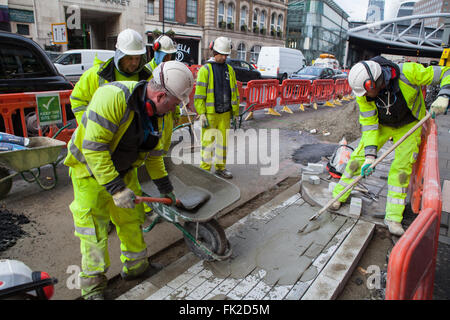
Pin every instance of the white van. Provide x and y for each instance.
(279, 62)
(73, 63)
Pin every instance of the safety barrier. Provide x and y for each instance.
(322, 90)
(194, 69)
(340, 88)
(261, 94)
(412, 262)
(295, 92)
(14, 107)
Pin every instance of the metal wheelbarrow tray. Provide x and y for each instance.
(202, 233)
(41, 151)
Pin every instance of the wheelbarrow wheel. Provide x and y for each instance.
(6, 185)
(210, 234)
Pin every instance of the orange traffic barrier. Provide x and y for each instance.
(194, 69)
(15, 106)
(339, 88)
(412, 262)
(261, 94)
(322, 90)
(295, 92)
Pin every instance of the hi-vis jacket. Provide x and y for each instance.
(204, 91)
(412, 77)
(99, 74)
(103, 125)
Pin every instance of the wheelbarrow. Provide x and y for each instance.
(203, 235)
(42, 151)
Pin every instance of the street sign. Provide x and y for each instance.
(59, 33)
(49, 108)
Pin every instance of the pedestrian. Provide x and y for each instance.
(391, 102)
(217, 103)
(115, 135)
(128, 64)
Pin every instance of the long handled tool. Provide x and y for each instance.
(418, 125)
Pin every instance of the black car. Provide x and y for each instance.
(24, 67)
(245, 72)
(314, 73)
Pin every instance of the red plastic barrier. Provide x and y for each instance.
(261, 94)
(295, 92)
(412, 262)
(14, 104)
(241, 91)
(347, 90)
(194, 69)
(322, 90)
(339, 88)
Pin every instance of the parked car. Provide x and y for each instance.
(245, 72)
(314, 73)
(24, 67)
(338, 74)
(73, 63)
(279, 62)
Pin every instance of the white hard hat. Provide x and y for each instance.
(164, 44)
(176, 78)
(359, 76)
(130, 43)
(222, 45)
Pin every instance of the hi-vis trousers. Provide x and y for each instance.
(399, 174)
(219, 123)
(92, 209)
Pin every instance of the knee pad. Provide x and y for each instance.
(402, 177)
(354, 165)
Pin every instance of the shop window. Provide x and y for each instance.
(23, 29)
(192, 11)
(169, 10)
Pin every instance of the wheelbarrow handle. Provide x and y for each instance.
(167, 201)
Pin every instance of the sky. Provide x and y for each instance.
(357, 9)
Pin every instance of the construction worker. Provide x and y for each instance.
(390, 103)
(217, 103)
(120, 129)
(128, 64)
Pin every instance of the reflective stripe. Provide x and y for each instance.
(102, 121)
(367, 114)
(342, 183)
(218, 146)
(208, 149)
(437, 75)
(369, 127)
(348, 175)
(84, 120)
(415, 100)
(209, 90)
(210, 104)
(446, 73)
(370, 150)
(199, 96)
(125, 116)
(78, 99)
(156, 153)
(77, 153)
(202, 84)
(135, 255)
(397, 189)
(95, 146)
(125, 90)
(415, 155)
(85, 231)
(396, 201)
(79, 109)
(233, 89)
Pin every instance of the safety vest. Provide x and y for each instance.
(412, 77)
(97, 136)
(99, 74)
(204, 91)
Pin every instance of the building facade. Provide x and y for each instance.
(193, 24)
(432, 6)
(316, 27)
(375, 11)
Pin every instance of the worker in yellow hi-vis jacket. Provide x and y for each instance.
(217, 103)
(119, 130)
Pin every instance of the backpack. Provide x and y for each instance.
(338, 161)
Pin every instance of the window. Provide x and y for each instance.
(279, 24)
(192, 11)
(151, 7)
(169, 10)
(241, 52)
(255, 18)
(19, 62)
(221, 11)
(69, 58)
(244, 12)
(254, 53)
(23, 29)
(262, 21)
(272, 21)
(230, 13)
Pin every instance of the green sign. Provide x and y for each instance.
(49, 108)
(21, 15)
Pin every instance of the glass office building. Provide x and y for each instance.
(317, 27)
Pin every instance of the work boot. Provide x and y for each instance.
(395, 228)
(95, 296)
(335, 206)
(224, 173)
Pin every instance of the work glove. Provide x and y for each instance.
(439, 106)
(124, 198)
(171, 196)
(204, 121)
(365, 170)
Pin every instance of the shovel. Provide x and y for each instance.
(189, 200)
(418, 125)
